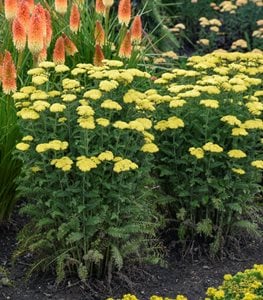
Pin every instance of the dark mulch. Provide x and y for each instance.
(190, 277)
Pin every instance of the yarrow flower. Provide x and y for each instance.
(110, 104)
(257, 163)
(124, 165)
(197, 152)
(210, 103)
(235, 153)
(64, 163)
(150, 148)
(22, 146)
(211, 147)
(239, 171)
(85, 164)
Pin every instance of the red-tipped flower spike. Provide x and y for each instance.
(74, 20)
(35, 35)
(136, 30)
(42, 56)
(40, 11)
(8, 74)
(98, 56)
(19, 35)
(61, 6)
(23, 14)
(99, 34)
(126, 46)
(59, 52)
(99, 7)
(70, 47)
(1, 65)
(49, 30)
(124, 12)
(31, 5)
(10, 9)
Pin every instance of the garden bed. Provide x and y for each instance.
(190, 277)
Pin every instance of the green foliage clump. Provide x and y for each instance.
(87, 156)
(209, 132)
(9, 167)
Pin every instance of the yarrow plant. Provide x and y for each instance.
(209, 132)
(247, 285)
(87, 151)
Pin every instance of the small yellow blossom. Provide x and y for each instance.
(231, 120)
(235, 153)
(28, 114)
(124, 165)
(57, 107)
(27, 138)
(108, 86)
(110, 104)
(47, 64)
(197, 152)
(39, 80)
(35, 71)
(241, 172)
(103, 122)
(22, 146)
(93, 94)
(150, 148)
(210, 103)
(68, 97)
(64, 163)
(211, 147)
(61, 68)
(85, 164)
(106, 155)
(257, 163)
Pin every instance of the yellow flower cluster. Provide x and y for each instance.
(244, 285)
(211, 147)
(64, 163)
(235, 153)
(154, 297)
(56, 145)
(171, 123)
(197, 152)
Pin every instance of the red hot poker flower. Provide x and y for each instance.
(8, 74)
(124, 12)
(99, 34)
(35, 34)
(19, 35)
(98, 56)
(74, 20)
(61, 6)
(126, 46)
(10, 9)
(136, 30)
(99, 7)
(59, 51)
(70, 47)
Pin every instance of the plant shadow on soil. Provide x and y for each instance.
(190, 277)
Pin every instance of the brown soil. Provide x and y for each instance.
(189, 277)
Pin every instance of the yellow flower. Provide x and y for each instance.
(124, 165)
(69, 84)
(150, 148)
(28, 89)
(47, 64)
(58, 145)
(113, 63)
(136, 125)
(54, 93)
(235, 153)
(103, 122)
(22, 146)
(40, 105)
(35, 169)
(28, 114)
(62, 120)
(228, 277)
(121, 125)
(39, 80)
(180, 297)
(61, 68)
(146, 123)
(40, 148)
(239, 132)
(27, 138)
(93, 94)
(161, 125)
(85, 110)
(255, 107)
(64, 163)
(39, 95)
(68, 97)
(219, 294)
(177, 103)
(197, 152)
(108, 85)
(231, 120)
(106, 155)
(110, 104)
(241, 172)
(257, 163)
(77, 71)
(253, 124)
(20, 96)
(35, 71)
(174, 123)
(86, 122)
(57, 107)
(210, 103)
(85, 164)
(249, 296)
(211, 291)
(211, 147)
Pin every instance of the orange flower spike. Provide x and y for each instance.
(99, 7)
(42, 56)
(126, 46)
(40, 11)
(61, 6)
(31, 5)
(23, 14)
(74, 19)
(136, 30)
(10, 9)
(19, 35)
(124, 12)
(49, 30)
(99, 34)
(35, 35)
(1, 65)
(98, 56)
(59, 51)
(8, 74)
(70, 47)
